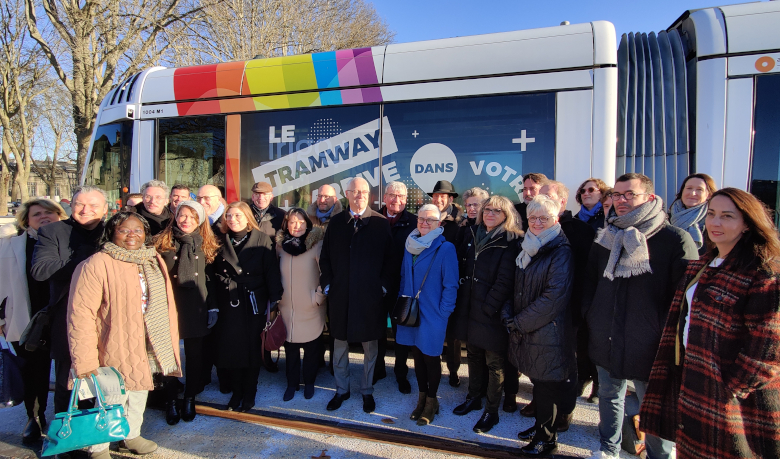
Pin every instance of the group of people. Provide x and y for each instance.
(682, 301)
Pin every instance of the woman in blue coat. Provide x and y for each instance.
(428, 251)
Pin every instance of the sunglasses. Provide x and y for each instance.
(590, 190)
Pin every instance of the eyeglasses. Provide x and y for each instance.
(489, 211)
(125, 231)
(428, 221)
(207, 198)
(396, 196)
(628, 195)
(473, 205)
(359, 193)
(541, 220)
(325, 196)
(591, 190)
(154, 198)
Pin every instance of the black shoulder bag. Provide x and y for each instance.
(406, 311)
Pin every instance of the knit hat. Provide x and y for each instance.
(194, 205)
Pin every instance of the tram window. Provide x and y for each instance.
(192, 151)
(297, 151)
(765, 169)
(109, 161)
(486, 142)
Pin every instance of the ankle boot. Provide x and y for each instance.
(172, 414)
(431, 409)
(188, 410)
(420, 406)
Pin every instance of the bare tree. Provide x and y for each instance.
(55, 141)
(244, 29)
(23, 72)
(104, 42)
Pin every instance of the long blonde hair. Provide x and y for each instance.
(510, 225)
(163, 242)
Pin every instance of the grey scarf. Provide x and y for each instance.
(415, 243)
(626, 239)
(533, 243)
(689, 219)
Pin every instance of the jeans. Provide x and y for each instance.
(341, 366)
(135, 404)
(612, 398)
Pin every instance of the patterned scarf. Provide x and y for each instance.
(689, 219)
(533, 243)
(156, 317)
(626, 239)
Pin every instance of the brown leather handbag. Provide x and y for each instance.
(275, 332)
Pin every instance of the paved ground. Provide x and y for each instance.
(212, 437)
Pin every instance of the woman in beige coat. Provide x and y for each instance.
(122, 314)
(298, 244)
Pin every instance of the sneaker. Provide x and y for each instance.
(603, 455)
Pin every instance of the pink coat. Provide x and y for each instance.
(105, 322)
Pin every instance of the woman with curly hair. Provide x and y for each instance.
(189, 247)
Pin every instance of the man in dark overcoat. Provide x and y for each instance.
(354, 275)
(402, 223)
(268, 217)
(60, 248)
(154, 206)
(633, 269)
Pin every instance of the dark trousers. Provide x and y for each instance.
(311, 355)
(453, 355)
(428, 371)
(209, 356)
(35, 375)
(586, 369)
(61, 392)
(244, 383)
(511, 379)
(401, 369)
(193, 371)
(482, 361)
(552, 398)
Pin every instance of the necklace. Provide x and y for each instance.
(239, 241)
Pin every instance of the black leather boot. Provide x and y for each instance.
(188, 410)
(32, 432)
(172, 414)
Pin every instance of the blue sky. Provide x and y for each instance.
(414, 20)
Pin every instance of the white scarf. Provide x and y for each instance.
(415, 243)
(533, 243)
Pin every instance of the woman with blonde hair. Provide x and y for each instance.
(248, 281)
(486, 283)
(26, 296)
(189, 247)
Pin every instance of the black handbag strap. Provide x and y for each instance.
(426, 272)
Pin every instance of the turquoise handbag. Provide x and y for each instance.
(76, 429)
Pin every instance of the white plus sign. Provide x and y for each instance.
(415, 133)
(523, 140)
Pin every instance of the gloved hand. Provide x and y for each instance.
(510, 325)
(213, 316)
(274, 306)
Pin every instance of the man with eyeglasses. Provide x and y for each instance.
(402, 223)
(355, 273)
(210, 198)
(633, 269)
(154, 207)
(325, 207)
(580, 236)
(269, 217)
(532, 185)
(60, 248)
(442, 197)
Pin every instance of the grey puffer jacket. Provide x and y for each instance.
(543, 349)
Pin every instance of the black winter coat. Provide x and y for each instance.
(356, 267)
(399, 231)
(625, 316)
(580, 236)
(61, 247)
(271, 221)
(451, 223)
(254, 270)
(486, 283)
(596, 222)
(157, 223)
(192, 302)
(544, 347)
(521, 210)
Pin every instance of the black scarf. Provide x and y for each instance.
(294, 245)
(157, 223)
(91, 235)
(187, 265)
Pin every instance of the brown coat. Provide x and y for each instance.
(303, 304)
(105, 323)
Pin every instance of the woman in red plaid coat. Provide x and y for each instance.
(715, 383)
